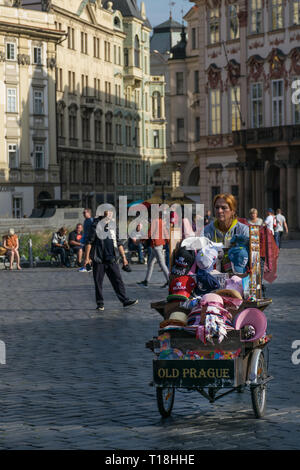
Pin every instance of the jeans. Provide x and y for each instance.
(157, 254)
(63, 254)
(136, 247)
(277, 236)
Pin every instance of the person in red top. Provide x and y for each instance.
(159, 237)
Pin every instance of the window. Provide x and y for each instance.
(84, 42)
(39, 157)
(109, 173)
(108, 130)
(59, 79)
(73, 121)
(37, 55)
(256, 105)
(84, 85)
(10, 51)
(107, 92)
(119, 134)
(180, 129)
(179, 83)
(128, 135)
(194, 38)
(137, 52)
(71, 82)
(197, 129)
(277, 103)
(256, 12)
(85, 171)
(235, 108)
(98, 128)
(214, 26)
(234, 31)
(38, 102)
(71, 38)
(156, 139)
(214, 191)
(12, 156)
(215, 112)
(17, 207)
(277, 14)
(137, 135)
(73, 165)
(106, 51)
(85, 121)
(11, 100)
(156, 105)
(97, 89)
(126, 57)
(196, 81)
(118, 94)
(97, 48)
(99, 173)
(296, 12)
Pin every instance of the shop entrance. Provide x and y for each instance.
(273, 187)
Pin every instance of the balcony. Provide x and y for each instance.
(266, 136)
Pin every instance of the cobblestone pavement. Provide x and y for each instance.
(78, 379)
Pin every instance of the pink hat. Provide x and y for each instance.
(252, 317)
(235, 282)
(212, 298)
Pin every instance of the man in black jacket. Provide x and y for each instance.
(103, 252)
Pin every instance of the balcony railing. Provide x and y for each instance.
(266, 135)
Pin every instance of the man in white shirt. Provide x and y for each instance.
(281, 225)
(269, 220)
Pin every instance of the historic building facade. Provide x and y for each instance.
(234, 123)
(28, 160)
(110, 110)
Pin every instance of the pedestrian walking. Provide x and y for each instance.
(159, 238)
(87, 224)
(281, 225)
(103, 253)
(270, 220)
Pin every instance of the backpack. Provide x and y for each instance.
(274, 222)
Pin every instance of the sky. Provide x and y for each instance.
(158, 11)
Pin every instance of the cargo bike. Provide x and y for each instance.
(232, 366)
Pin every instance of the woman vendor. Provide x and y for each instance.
(226, 224)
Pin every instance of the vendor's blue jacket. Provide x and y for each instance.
(212, 232)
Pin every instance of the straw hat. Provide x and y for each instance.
(176, 319)
(233, 293)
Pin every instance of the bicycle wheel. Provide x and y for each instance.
(259, 392)
(165, 400)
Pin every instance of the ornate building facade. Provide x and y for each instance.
(110, 110)
(29, 168)
(233, 118)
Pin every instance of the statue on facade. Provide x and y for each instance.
(46, 5)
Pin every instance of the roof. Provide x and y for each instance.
(168, 26)
(128, 8)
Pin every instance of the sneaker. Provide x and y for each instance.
(83, 270)
(143, 283)
(129, 303)
(165, 285)
(100, 307)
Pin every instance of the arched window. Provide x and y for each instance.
(136, 52)
(194, 177)
(156, 105)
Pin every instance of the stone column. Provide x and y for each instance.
(241, 208)
(248, 188)
(292, 196)
(283, 188)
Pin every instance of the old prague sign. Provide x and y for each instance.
(195, 373)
